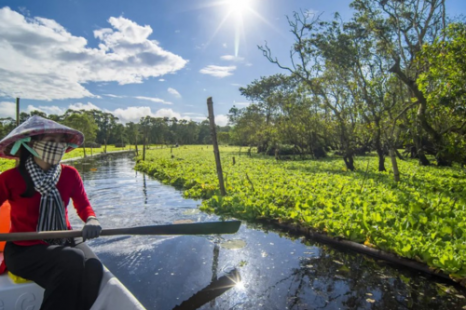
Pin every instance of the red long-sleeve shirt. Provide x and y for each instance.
(25, 211)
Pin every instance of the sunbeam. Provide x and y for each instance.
(237, 14)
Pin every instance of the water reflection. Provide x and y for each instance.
(144, 188)
(278, 271)
(216, 288)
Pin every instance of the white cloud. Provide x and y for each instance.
(42, 60)
(221, 120)
(113, 96)
(7, 109)
(158, 100)
(237, 85)
(46, 109)
(224, 45)
(60, 111)
(169, 113)
(232, 58)
(81, 106)
(241, 104)
(161, 80)
(174, 92)
(194, 113)
(134, 114)
(218, 71)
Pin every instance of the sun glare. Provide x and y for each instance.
(239, 14)
(239, 6)
(240, 285)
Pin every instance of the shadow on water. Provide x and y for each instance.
(278, 271)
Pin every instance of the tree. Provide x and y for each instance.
(7, 124)
(118, 135)
(132, 131)
(442, 80)
(84, 123)
(400, 29)
(223, 137)
(106, 122)
(145, 125)
(321, 78)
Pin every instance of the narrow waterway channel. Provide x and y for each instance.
(277, 271)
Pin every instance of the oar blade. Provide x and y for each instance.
(206, 228)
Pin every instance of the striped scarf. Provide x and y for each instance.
(52, 210)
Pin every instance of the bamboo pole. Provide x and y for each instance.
(213, 132)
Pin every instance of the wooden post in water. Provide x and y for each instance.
(213, 132)
(17, 111)
(17, 123)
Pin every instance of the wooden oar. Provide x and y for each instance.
(206, 228)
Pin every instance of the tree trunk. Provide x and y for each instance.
(423, 161)
(422, 119)
(84, 148)
(378, 147)
(348, 158)
(396, 172)
(381, 159)
(399, 155)
(144, 149)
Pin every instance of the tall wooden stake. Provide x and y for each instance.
(17, 111)
(17, 124)
(213, 132)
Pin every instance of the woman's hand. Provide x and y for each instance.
(91, 229)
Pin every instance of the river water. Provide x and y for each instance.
(277, 271)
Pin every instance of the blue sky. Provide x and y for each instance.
(141, 57)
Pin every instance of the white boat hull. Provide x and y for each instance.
(113, 295)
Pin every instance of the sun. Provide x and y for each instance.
(238, 14)
(239, 6)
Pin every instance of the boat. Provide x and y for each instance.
(113, 295)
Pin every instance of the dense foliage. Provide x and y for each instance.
(390, 77)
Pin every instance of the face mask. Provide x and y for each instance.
(49, 151)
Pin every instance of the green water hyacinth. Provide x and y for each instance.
(422, 218)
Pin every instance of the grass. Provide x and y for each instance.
(6, 164)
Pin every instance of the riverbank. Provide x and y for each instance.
(423, 218)
(97, 155)
(77, 154)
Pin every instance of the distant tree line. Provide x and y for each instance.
(391, 77)
(102, 128)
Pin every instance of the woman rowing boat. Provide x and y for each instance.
(39, 190)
